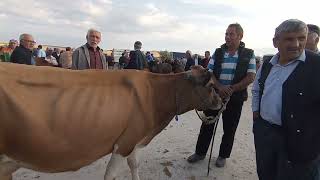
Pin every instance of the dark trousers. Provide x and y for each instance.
(271, 156)
(230, 117)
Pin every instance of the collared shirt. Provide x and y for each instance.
(229, 65)
(271, 101)
(21, 55)
(95, 59)
(41, 53)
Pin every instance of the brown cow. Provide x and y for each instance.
(55, 120)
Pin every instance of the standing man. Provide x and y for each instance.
(286, 104)
(313, 38)
(23, 53)
(124, 59)
(258, 62)
(149, 57)
(89, 56)
(206, 59)
(6, 52)
(190, 61)
(40, 52)
(66, 58)
(137, 59)
(56, 53)
(234, 68)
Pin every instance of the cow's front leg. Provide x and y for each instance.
(134, 164)
(114, 164)
(7, 167)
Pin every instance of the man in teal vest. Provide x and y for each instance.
(234, 68)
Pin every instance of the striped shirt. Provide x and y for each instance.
(229, 65)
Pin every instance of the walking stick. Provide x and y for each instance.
(214, 134)
(212, 120)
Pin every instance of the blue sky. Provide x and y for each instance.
(178, 25)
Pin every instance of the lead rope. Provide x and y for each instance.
(215, 120)
(176, 99)
(210, 120)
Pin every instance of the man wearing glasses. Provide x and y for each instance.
(23, 53)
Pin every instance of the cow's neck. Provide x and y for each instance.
(177, 91)
(165, 97)
(185, 96)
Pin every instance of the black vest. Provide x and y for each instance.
(300, 108)
(245, 55)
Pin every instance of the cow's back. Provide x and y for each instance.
(51, 113)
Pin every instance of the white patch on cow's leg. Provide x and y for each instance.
(134, 164)
(7, 167)
(114, 163)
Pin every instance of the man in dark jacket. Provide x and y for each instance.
(23, 53)
(286, 104)
(190, 61)
(233, 67)
(137, 58)
(123, 60)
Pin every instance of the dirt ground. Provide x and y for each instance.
(165, 157)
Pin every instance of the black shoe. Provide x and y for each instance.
(195, 158)
(220, 162)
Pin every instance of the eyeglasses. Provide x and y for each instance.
(29, 41)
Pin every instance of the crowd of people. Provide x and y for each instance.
(68, 58)
(285, 93)
(64, 57)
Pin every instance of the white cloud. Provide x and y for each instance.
(232, 3)
(155, 18)
(2, 15)
(198, 25)
(94, 10)
(105, 1)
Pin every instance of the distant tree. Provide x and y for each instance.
(165, 56)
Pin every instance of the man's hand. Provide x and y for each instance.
(225, 91)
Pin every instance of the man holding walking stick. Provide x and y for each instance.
(234, 68)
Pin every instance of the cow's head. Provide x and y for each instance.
(206, 96)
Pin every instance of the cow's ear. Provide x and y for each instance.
(199, 76)
(203, 78)
(196, 79)
(207, 77)
(191, 77)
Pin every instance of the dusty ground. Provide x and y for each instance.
(165, 157)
